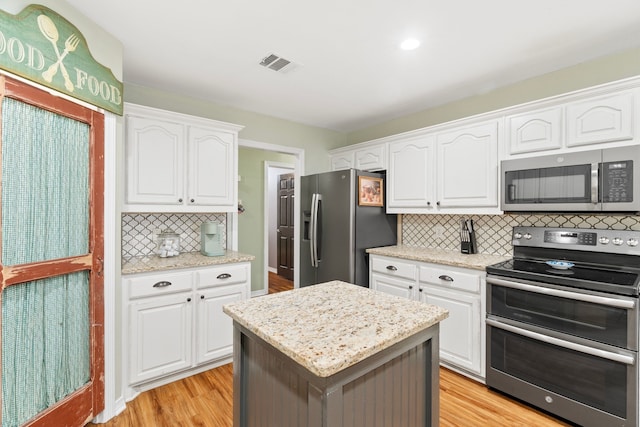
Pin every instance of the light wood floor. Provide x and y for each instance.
(278, 283)
(206, 400)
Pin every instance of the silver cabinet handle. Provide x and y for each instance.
(162, 284)
(446, 278)
(392, 268)
(223, 276)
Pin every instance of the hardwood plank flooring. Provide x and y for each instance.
(206, 400)
(278, 283)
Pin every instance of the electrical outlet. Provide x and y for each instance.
(438, 231)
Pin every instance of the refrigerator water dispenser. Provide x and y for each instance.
(211, 239)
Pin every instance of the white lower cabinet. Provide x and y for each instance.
(460, 332)
(215, 288)
(392, 286)
(176, 323)
(160, 339)
(459, 290)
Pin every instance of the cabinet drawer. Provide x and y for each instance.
(451, 279)
(159, 284)
(225, 275)
(392, 267)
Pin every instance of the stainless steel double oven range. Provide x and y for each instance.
(563, 336)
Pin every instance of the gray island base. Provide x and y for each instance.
(335, 355)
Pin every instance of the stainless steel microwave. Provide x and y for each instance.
(588, 181)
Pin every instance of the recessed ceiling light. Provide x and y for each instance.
(409, 44)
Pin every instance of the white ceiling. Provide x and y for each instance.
(352, 73)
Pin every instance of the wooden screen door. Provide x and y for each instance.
(286, 194)
(51, 261)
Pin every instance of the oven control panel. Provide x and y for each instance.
(571, 237)
(609, 241)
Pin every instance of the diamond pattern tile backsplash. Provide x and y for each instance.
(493, 232)
(138, 231)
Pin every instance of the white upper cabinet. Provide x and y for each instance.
(343, 160)
(534, 131)
(371, 157)
(155, 161)
(212, 155)
(410, 177)
(467, 167)
(451, 171)
(179, 163)
(604, 119)
(575, 123)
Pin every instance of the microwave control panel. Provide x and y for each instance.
(617, 182)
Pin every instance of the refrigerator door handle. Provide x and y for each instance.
(313, 230)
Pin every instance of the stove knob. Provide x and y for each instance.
(517, 235)
(617, 241)
(632, 242)
(603, 240)
(527, 236)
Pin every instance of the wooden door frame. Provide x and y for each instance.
(73, 406)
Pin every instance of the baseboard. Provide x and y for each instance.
(118, 406)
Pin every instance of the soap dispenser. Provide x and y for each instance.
(211, 239)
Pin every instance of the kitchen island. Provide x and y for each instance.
(333, 355)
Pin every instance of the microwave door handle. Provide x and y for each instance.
(594, 183)
(511, 192)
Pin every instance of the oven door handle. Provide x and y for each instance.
(610, 302)
(603, 354)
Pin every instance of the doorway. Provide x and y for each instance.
(280, 189)
(252, 226)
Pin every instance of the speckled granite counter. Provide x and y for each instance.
(331, 326)
(439, 256)
(152, 263)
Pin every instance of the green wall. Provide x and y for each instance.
(602, 70)
(251, 230)
(257, 127)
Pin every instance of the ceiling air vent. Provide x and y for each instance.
(277, 63)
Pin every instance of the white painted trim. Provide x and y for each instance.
(265, 250)
(112, 397)
(298, 153)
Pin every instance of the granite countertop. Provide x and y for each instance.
(439, 256)
(150, 263)
(331, 326)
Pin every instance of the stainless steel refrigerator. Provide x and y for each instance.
(339, 222)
